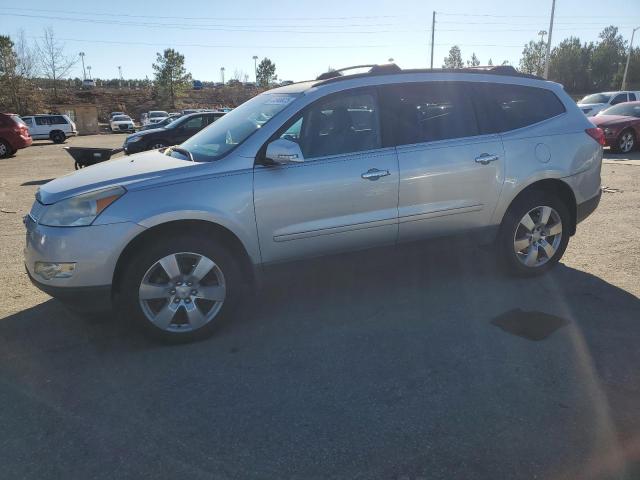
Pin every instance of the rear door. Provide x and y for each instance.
(451, 173)
(42, 127)
(343, 196)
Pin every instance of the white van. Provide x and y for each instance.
(56, 128)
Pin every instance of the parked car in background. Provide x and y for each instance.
(88, 84)
(175, 238)
(174, 133)
(56, 128)
(122, 123)
(592, 104)
(115, 114)
(163, 123)
(621, 126)
(14, 134)
(156, 116)
(175, 114)
(197, 85)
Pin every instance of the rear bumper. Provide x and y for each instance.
(584, 209)
(83, 299)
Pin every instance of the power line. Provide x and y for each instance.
(529, 16)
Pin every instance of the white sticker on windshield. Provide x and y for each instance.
(279, 100)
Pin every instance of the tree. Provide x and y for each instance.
(172, 78)
(607, 60)
(266, 72)
(474, 62)
(17, 92)
(533, 56)
(569, 65)
(54, 63)
(490, 63)
(454, 60)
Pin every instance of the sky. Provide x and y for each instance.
(302, 37)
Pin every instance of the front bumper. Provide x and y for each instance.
(94, 249)
(83, 299)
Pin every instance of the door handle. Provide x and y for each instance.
(486, 158)
(374, 174)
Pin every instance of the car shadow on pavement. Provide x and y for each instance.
(400, 351)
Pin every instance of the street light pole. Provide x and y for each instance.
(546, 61)
(222, 74)
(626, 67)
(433, 33)
(89, 68)
(84, 73)
(255, 67)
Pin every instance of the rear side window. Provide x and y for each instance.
(503, 107)
(632, 97)
(430, 111)
(43, 120)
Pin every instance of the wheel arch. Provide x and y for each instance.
(552, 185)
(214, 230)
(57, 130)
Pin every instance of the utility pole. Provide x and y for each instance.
(542, 33)
(84, 74)
(120, 72)
(255, 67)
(626, 67)
(222, 74)
(546, 61)
(433, 32)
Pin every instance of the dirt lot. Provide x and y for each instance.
(422, 364)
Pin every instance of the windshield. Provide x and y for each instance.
(121, 118)
(158, 114)
(18, 120)
(626, 109)
(236, 126)
(596, 98)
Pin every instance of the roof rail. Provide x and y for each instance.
(391, 68)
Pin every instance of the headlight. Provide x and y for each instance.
(81, 210)
(133, 139)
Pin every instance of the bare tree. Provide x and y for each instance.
(27, 59)
(55, 64)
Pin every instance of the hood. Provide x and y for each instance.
(127, 171)
(611, 120)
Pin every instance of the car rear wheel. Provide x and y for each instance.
(626, 142)
(534, 234)
(58, 137)
(5, 149)
(181, 288)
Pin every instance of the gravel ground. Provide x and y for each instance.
(420, 364)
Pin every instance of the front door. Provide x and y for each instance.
(450, 175)
(188, 129)
(343, 196)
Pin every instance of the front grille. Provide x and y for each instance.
(124, 127)
(36, 210)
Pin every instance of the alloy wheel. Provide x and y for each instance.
(3, 150)
(182, 292)
(626, 142)
(537, 236)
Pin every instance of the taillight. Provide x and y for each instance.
(597, 134)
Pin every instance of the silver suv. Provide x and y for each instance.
(174, 237)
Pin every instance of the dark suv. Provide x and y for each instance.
(174, 133)
(14, 134)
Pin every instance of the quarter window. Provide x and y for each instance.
(428, 112)
(503, 107)
(43, 121)
(346, 123)
(58, 120)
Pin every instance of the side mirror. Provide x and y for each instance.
(283, 151)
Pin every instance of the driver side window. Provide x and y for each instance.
(343, 124)
(620, 98)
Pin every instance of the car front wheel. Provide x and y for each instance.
(58, 137)
(626, 142)
(534, 234)
(5, 149)
(180, 289)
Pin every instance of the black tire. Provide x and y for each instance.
(507, 256)
(127, 301)
(5, 149)
(618, 148)
(57, 137)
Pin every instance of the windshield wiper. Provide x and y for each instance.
(183, 151)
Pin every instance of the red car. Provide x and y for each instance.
(14, 134)
(621, 126)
